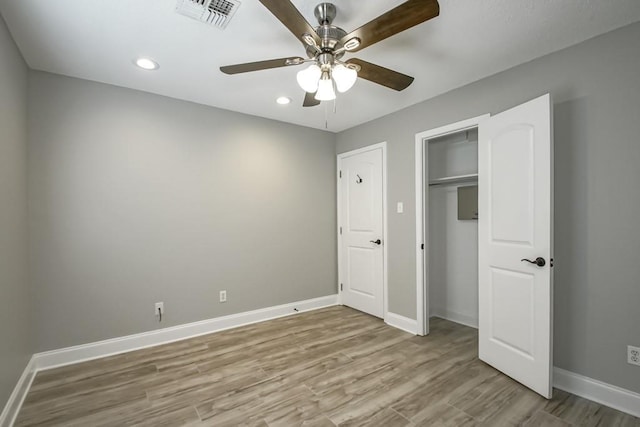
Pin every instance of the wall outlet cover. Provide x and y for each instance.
(633, 355)
(223, 296)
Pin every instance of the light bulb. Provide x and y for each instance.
(345, 77)
(325, 89)
(308, 78)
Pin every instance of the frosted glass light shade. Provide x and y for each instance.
(325, 90)
(344, 77)
(309, 77)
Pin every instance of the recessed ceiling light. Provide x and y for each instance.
(283, 100)
(147, 64)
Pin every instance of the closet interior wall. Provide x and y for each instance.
(453, 243)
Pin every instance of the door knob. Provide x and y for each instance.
(540, 262)
(377, 242)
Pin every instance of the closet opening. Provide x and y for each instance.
(447, 224)
(451, 225)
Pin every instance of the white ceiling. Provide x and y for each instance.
(471, 39)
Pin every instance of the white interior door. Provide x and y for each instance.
(361, 263)
(515, 224)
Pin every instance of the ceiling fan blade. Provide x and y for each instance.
(261, 65)
(291, 17)
(310, 100)
(382, 76)
(398, 19)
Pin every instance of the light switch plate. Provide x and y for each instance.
(400, 208)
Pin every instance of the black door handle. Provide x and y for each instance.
(540, 262)
(377, 242)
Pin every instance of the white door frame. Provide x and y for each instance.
(422, 215)
(383, 146)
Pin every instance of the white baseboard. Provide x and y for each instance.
(81, 353)
(401, 322)
(588, 388)
(603, 393)
(11, 409)
(463, 319)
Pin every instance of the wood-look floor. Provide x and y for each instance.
(330, 367)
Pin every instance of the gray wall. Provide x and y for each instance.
(15, 337)
(597, 156)
(137, 198)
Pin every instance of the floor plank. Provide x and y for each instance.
(325, 368)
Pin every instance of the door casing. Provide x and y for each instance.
(422, 231)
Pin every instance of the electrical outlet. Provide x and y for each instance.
(159, 308)
(223, 296)
(633, 355)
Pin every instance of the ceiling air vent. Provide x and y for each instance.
(213, 12)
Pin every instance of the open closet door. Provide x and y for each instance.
(515, 242)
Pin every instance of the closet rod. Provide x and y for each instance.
(454, 179)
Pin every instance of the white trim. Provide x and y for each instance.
(453, 316)
(422, 249)
(361, 150)
(588, 388)
(11, 409)
(385, 241)
(603, 393)
(422, 282)
(338, 225)
(81, 353)
(385, 292)
(401, 322)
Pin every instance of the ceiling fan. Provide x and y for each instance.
(327, 44)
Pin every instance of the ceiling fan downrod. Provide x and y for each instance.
(325, 13)
(330, 36)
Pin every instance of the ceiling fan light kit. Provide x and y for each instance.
(320, 76)
(325, 89)
(344, 76)
(309, 78)
(326, 44)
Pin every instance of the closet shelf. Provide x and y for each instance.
(454, 179)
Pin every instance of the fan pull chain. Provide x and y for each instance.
(326, 117)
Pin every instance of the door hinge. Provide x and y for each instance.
(340, 230)
(422, 246)
(340, 174)
(340, 286)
